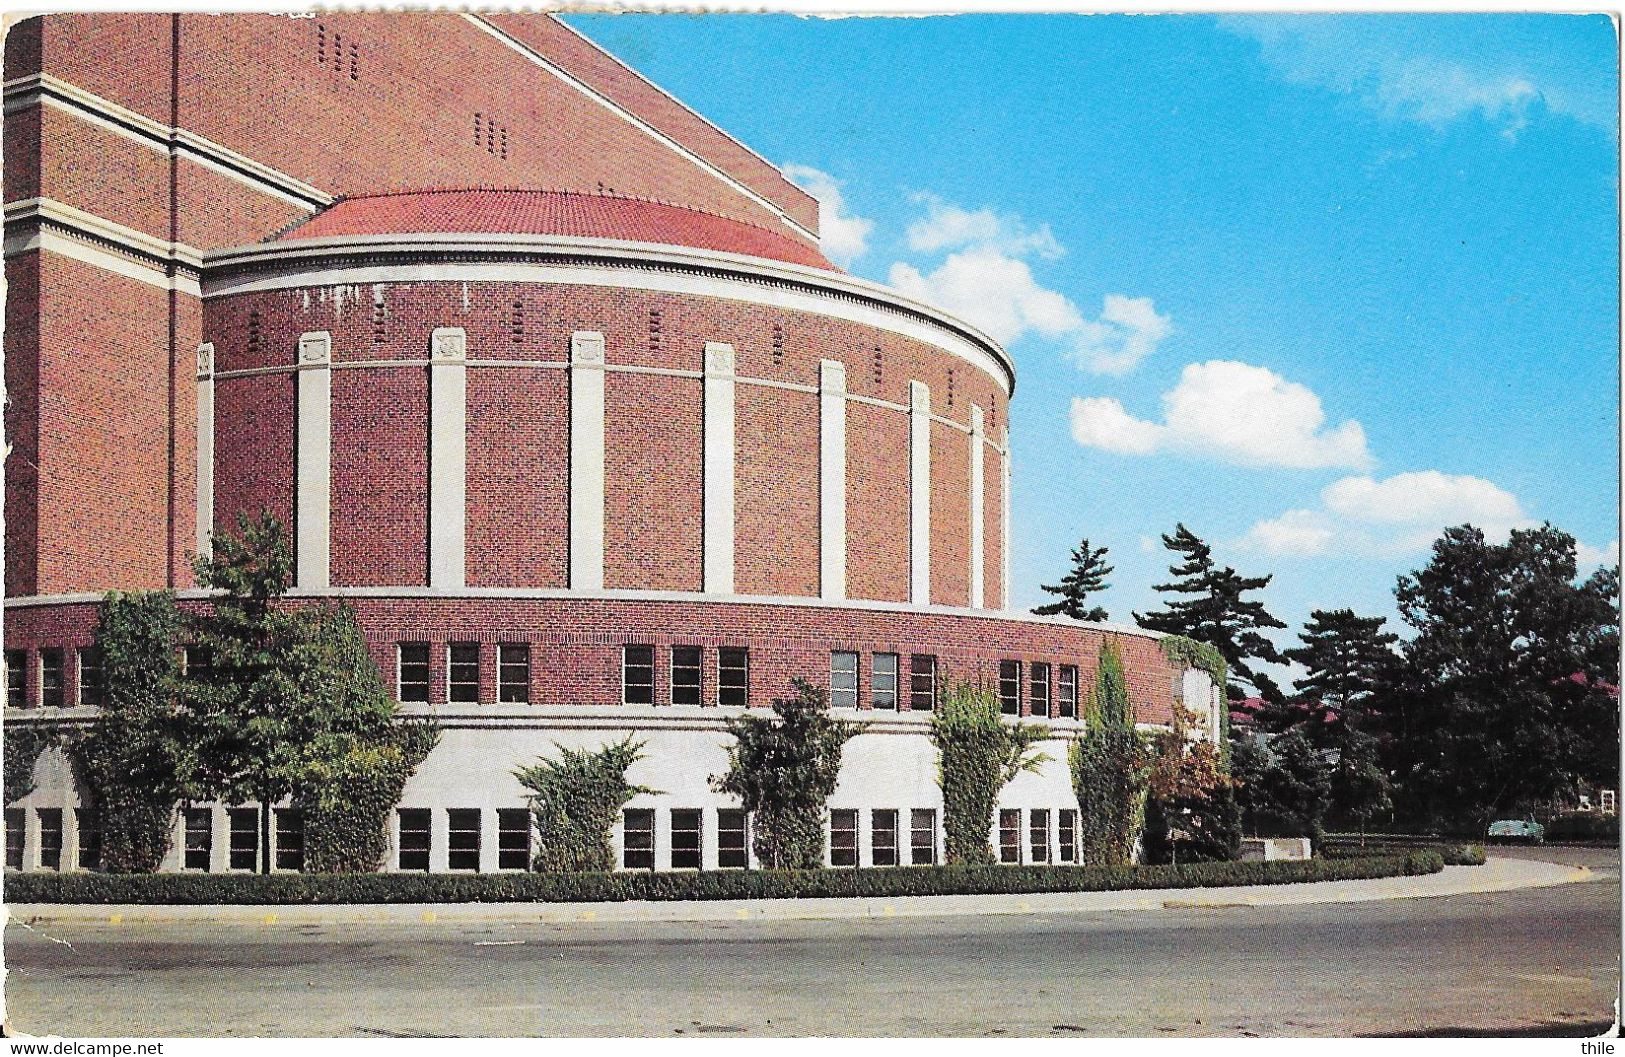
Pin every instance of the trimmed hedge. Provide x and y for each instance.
(1451, 854)
(746, 884)
(1583, 825)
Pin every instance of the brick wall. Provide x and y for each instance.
(576, 643)
(517, 499)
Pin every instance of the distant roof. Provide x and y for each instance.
(509, 211)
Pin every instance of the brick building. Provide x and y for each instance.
(550, 381)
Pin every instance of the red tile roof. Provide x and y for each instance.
(525, 212)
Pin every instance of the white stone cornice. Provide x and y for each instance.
(75, 220)
(561, 259)
(46, 90)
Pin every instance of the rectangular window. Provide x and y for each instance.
(638, 841)
(16, 678)
(1040, 690)
(513, 673)
(638, 675)
(685, 839)
(883, 838)
(50, 678)
(843, 837)
(1009, 835)
(733, 676)
(197, 662)
(463, 672)
(413, 845)
(463, 838)
(412, 673)
(883, 680)
(290, 838)
(731, 839)
(88, 822)
(199, 838)
(1038, 834)
(244, 850)
(90, 676)
(15, 822)
(1010, 687)
(50, 838)
(922, 682)
(843, 679)
(1066, 688)
(686, 665)
(1068, 842)
(923, 836)
(513, 838)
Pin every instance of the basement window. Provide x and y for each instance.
(1068, 842)
(88, 822)
(413, 845)
(50, 838)
(731, 839)
(463, 843)
(513, 838)
(685, 839)
(883, 837)
(638, 838)
(245, 838)
(290, 838)
(199, 838)
(843, 837)
(1038, 834)
(923, 836)
(1009, 835)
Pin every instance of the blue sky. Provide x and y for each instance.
(1316, 286)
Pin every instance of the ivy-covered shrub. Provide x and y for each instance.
(23, 746)
(193, 888)
(348, 796)
(783, 771)
(132, 759)
(977, 754)
(574, 803)
(1109, 767)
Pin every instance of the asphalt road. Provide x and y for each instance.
(1532, 962)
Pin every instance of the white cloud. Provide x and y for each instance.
(1127, 332)
(1101, 422)
(1427, 497)
(1232, 412)
(995, 291)
(1402, 514)
(1590, 557)
(946, 226)
(986, 279)
(1397, 78)
(843, 237)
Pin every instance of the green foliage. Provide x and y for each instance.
(1299, 786)
(978, 753)
(1193, 829)
(1216, 613)
(23, 746)
(1502, 700)
(1361, 788)
(1348, 658)
(292, 705)
(783, 771)
(346, 796)
(1088, 577)
(575, 801)
(1110, 767)
(1350, 848)
(130, 759)
(1584, 825)
(240, 889)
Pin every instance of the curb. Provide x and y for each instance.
(1497, 875)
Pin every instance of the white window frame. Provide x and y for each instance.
(856, 674)
(896, 679)
(502, 651)
(1061, 671)
(746, 651)
(400, 672)
(699, 669)
(626, 665)
(1049, 688)
(449, 681)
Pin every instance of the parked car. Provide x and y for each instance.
(1525, 830)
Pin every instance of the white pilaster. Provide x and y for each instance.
(313, 508)
(587, 460)
(919, 493)
(719, 469)
(448, 455)
(1004, 525)
(977, 514)
(832, 479)
(205, 448)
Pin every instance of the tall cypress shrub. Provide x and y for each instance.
(1109, 768)
(978, 753)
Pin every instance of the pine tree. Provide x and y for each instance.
(1348, 657)
(1088, 577)
(1217, 614)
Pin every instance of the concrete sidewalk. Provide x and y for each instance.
(1497, 875)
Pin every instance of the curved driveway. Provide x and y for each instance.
(1528, 961)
